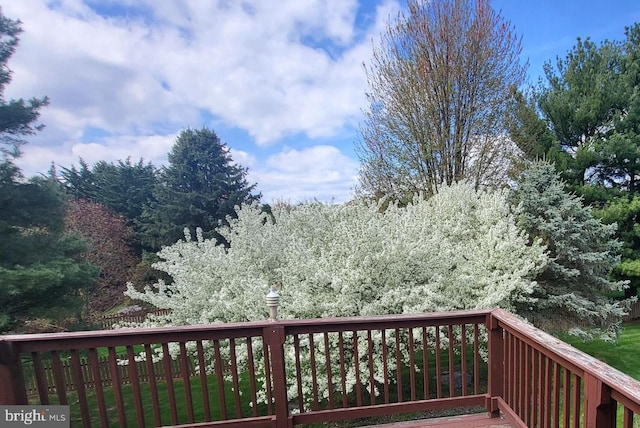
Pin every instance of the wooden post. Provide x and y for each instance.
(496, 365)
(274, 338)
(600, 409)
(13, 389)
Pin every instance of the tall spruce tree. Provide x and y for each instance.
(582, 251)
(39, 268)
(200, 187)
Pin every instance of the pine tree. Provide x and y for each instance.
(123, 187)
(200, 187)
(17, 117)
(582, 251)
(40, 269)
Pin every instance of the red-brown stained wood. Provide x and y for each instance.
(566, 402)
(252, 376)
(556, 386)
(540, 376)
(234, 378)
(526, 405)
(268, 377)
(398, 366)
(314, 373)
(133, 377)
(372, 386)
(222, 402)
(463, 358)
(78, 381)
(153, 388)
(534, 405)
(476, 359)
(117, 389)
(59, 378)
(356, 362)
(452, 380)
(97, 382)
(496, 364)
(343, 374)
(296, 347)
(327, 356)
(185, 369)
(166, 362)
(508, 369)
(575, 400)
(41, 381)
(204, 385)
(546, 393)
(463, 421)
(412, 365)
(521, 376)
(627, 418)
(385, 366)
(425, 363)
(438, 351)
(274, 338)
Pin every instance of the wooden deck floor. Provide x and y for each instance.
(479, 420)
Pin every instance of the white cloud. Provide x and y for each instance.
(152, 149)
(321, 172)
(257, 67)
(273, 70)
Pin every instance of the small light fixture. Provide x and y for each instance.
(273, 301)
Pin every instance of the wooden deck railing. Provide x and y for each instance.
(294, 372)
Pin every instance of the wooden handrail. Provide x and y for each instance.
(602, 386)
(531, 375)
(571, 357)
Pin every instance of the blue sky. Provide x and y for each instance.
(281, 82)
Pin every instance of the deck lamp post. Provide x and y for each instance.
(273, 301)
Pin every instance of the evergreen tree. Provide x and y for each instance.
(624, 212)
(583, 95)
(200, 187)
(590, 105)
(582, 252)
(17, 117)
(123, 187)
(40, 269)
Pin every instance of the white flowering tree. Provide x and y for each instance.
(460, 249)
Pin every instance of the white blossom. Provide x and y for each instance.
(460, 249)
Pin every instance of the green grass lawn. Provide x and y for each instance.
(129, 401)
(623, 355)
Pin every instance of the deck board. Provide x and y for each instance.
(479, 420)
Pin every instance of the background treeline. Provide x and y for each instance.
(584, 117)
(114, 217)
(72, 238)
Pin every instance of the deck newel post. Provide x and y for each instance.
(13, 389)
(274, 337)
(496, 365)
(600, 409)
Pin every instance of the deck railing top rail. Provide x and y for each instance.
(401, 363)
(136, 336)
(570, 357)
